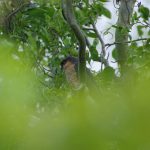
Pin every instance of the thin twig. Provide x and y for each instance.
(100, 39)
(132, 41)
(103, 52)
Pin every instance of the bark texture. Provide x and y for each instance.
(122, 31)
(67, 7)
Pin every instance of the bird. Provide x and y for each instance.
(70, 67)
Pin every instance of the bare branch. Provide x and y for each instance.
(103, 52)
(100, 39)
(132, 41)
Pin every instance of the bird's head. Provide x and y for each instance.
(69, 61)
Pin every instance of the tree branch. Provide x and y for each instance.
(103, 52)
(132, 41)
(67, 7)
(100, 39)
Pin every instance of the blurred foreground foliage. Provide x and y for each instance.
(38, 111)
(116, 118)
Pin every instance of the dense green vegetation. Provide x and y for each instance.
(38, 108)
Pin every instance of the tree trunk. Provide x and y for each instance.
(122, 32)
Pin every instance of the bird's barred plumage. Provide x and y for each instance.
(69, 67)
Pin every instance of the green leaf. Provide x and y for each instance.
(92, 34)
(139, 30)
(135, 17)
(106, 12)
(95, 42)
(101, 10)
(108, 73)
(145, 13)
(148, 42)
(115, 54)
(94, 53)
